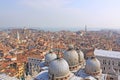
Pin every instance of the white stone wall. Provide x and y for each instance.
(110, 66)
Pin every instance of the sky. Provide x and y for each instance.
(60, 14)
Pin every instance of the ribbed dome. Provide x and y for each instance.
(71, 56)
(70, 46)
(92, 66)
(59, 68)
(50, 56)
(81, 56)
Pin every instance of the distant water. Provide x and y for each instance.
(60, 28)
(67, 29)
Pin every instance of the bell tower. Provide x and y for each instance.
(18, 37)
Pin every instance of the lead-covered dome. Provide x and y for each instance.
(71, 56)
(81, 56)
(92, 66)
(59, 69)
(50, 56)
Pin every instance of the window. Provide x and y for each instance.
(112, 62)
(118, 63)
(109, 62)
(111, 78)
(104, 61)
(115, 69)
(65, 77)
(104, 68)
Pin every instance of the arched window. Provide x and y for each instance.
(105, 61)
(104, 68)
(112, 62)
(111, 78)
(118, 63)
(109, 62)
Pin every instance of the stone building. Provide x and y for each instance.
(33, 65)
(110, 63)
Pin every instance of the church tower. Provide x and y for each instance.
(85, 29)
(18, 37)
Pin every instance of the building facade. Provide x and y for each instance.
(33, 65)
(110, 63)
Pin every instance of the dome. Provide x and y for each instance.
(70, 46)
(71, 56)
(92, 66)
(58, 68)
(49, 57)
(81, 56)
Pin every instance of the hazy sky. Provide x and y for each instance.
(60, 13)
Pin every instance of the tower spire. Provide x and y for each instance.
(18, 37)
(85, 28)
